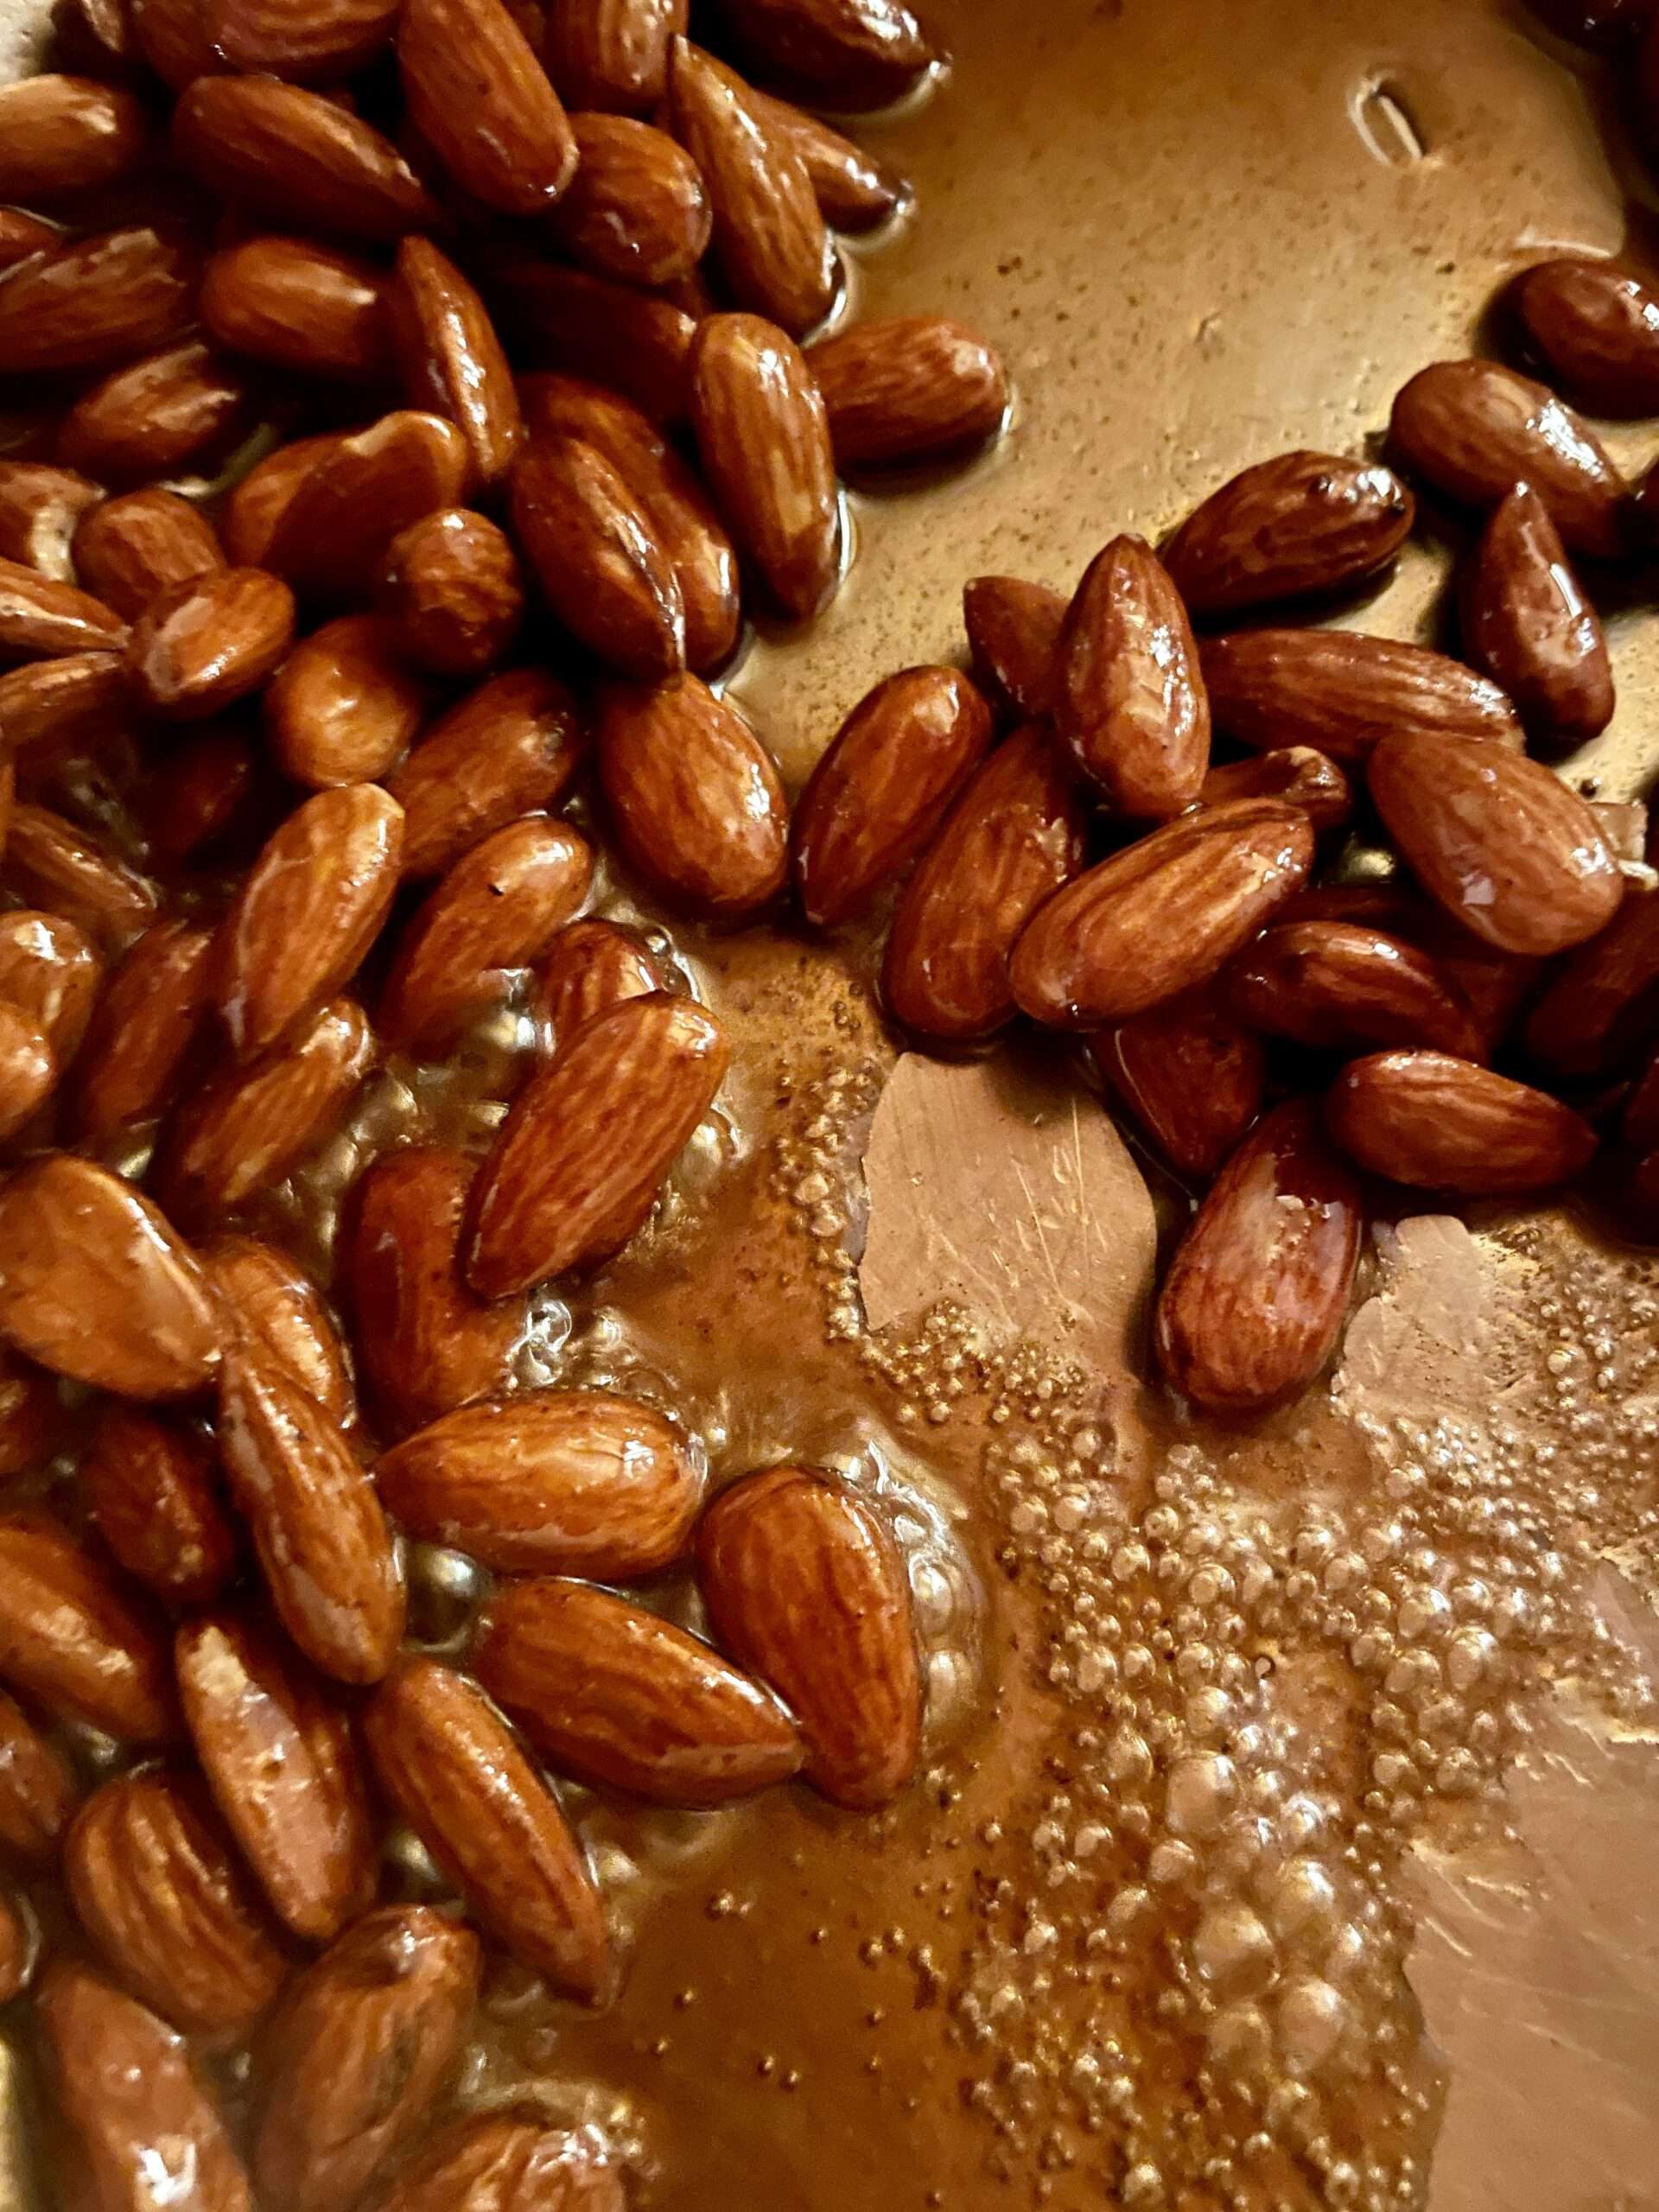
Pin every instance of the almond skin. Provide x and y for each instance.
(95, 303)
(149, 1016)
(131, 550)
(1499, 842)
(1475, 429)
(454, 1771)
(211, 786)
(622, 1698)
(882, 788)
(32, 1423)
(311, 907)
(859, 53)
(589, 1142)
(855, 192)
(22, 236)
(503, 2162)
(298, 306)
(453, 591)
(1603, 1004)
(496, 124)
(1130, 701)
(153, 1491)
(37, 1789)
(335, 531)
(1597, 327)
(28, 1069)
(40, 618)
(1257, 1294)
(49, 970)
(1014, 635)
(300, 40)
(1302, 523)
(1336, 987)
(279, 1307)
(171, 35)
(40, 507)
(450, 359)
(1340, 692)
(612, 54)
(589, 967)
(73, 1642)
(1161, 917)
(64, 135)
(631, 342)
(805, 1585)
(558, 1482)
(48, 706)
(1439, 1123)
(1190, 1075)
(280, 1761)
(1297, 774)
(600, 564)
(203, 645)
(58, 864)
(916, 388)
(159, 417)
(257, 504)
(505, 749)
(1527, 622)
(343, 708)
(636, 209)
(94, 1284)
(358, 2054)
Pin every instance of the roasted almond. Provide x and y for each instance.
(201, 645)
(589, 967)
(855, 192)
(41, 617)
(635, 209)
(805, 1585)
(40, 507)
(494, 912)
(612, 54)
(1297, 774)
(1190, 1075)
(914, 388)
(1014, 634)
(858, 53)
(454, 1771)
(631, 342)
(507, 2161)
(1597, 329)
(497, 124)
(51, 706)
(1502, 844)
(301, 40)
(1337, 987)
(168, 413)
(153, 1491)
(343, 708)
(1161, 917)
(28, 1069)
(1527, 622)
(1128, 698)
(259, 502)
(207, 786)
(1301, 523)
(334, 533)
(71, 1641)
(22, 236)
(1475, 429)
(453, 591)
(599, 562)
(149, 1015)
(50, 971)
(170, 35)
(32, 1423)
(1341, 692)
(695, 800)
(131, 550)
(450, 359)
(1439, 1123)
(510, 747)
(620, 1697)
(56, 865)
(61, 136)
(37, 1789)
(1604, 1004)
(96, 302)
(275, 1304)
(299, 306)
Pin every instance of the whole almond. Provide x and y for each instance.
(280, 1760)
(61, 136)
(589, 1142)
(358, 2054)
(1604, 1003)
(450, 359)
(855, 191)
(278, 1306)
(146, 1020)
(1014, 634)
(257, 504)
(858, 53)
(915, 388)
(696, 802)
(453, 592)
(98, 302)
(28, 1069)
(1597, 327)
(71, 1642)
(1129, 700)
(311, 907)
(208, 786)
(1474, 429)
(507, 2162)
(131, 550)
(1527, 622)
(1439, 1123)
(153, 1491)
(598, 560)
(751, 392)
(32, 1423)
(1639, 1127)
(1337, 987)
(94, 1284)
(494, 912)
(49, 969)
(41, 617)
(1257, 1294)
(612, 54)
(301, 40)
(171, 35)
(563, 1482)
(343, 708)
(497, 125)
(51, 706)
(509, 746)
(40, 507)
(161, 416)
(636, 209)
(622, 1698)
(454, 1771)
(1161, 917)
(299, 306)
(589, 967)
(882, 788)
(1190, 1075)
(201, 645)
(292, 155)
(1298, 774)
(1502, 844)
(22, 236)
(251, 1124)
(334, 532)
(774, 251)
(584, 325)
(321, 1537)
(65, 869)
(1304, 523)
(1340, 692)
(37, 1789)
(805, 1585)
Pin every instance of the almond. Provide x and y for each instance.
(1336, 987)
(321, 1537)
(1257, 1294)
(695, 800)
(1190, 1075)
(1503, 844)
(98, 302)
(1301, 523)
(1297, 774)
(66, 134)
(589, 967)
(32, 1424)
(258, 503)
(300, 306)
(1014, 634)
(496, 124)
(510, 745)
(41, 617)
(805, 1585)
(635, 210)
(210, 784)
(506, 2162)
(882, 786)
(622, 1698)
(598, 560)
(855, 192)
(1474, 429)
(171, 35)
(23, 236)
(310, 908)
(131, 550)
(585, 325)
(152, 1489)
(1340, 692)
(612, 54)
(72, 874)
(1604, 1004)
(49, 970)
(251, 1124)
(454, 1772)
(301, 40)
(918, 388)
(847, 53)
(1597, 327)
(37, 1789)
(48, 706)
(283, 1312)
(73, 1642)
(1638, 1127)
(39, 510)
(494, 912)
(426, 1342)
(294, 156)
(201, 646)
(94, 1284)
(281, 1764)
(342, 708)
(149, 1016)
(1129, 700)
(1527, 622)
(751, 393)
(589, 1142)
(450, 358)
(1439, 1123)
(453, 592)
(774, 251)
(168, 413)
(1160, 917)
(28, 1069)
(334, 532)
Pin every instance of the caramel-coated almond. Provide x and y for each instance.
(1340, 692)
(916, 388)
(98, 302)
(591, 966)
(509, 2161)
(132, 548)
(1339, 987)
(1439, 1123)
(332, 534)
(63, 134)
(145, 1022)
(55, 863)
(1014, 634)
(1190, 1074)
(505, 749)
(40, 507)
(1597, 328)
(153, 1489)
(453, 591)
(37, 1789)
(205, 643)
(635, 209)
(450, 359)
(1303, 522)
(1527, 622)
(343, 707)
(1129, 699)
(859, 54)
(497, 124)
(271, 1300)
(41, 617)
(295, 156)
(161, 416)
(299, 306)
(600, 564)
(73, 1641)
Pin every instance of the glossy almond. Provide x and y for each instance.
(1439, 1123)
(450, 359)
(280, 1760)
(291, 156)
(453, 593)
(97, 302)
(28, 1069)
(1527, 623)
(22, 236)
(258, 504)
(41, 617)
(57, 865)
(171, 35)
(359, 2053)
(302, 40)
(635, 209)
(72, 1641)
(33, 1425)
(856, 53)
(270, 1297)
(37, 1789)
(1014, 635)
(322, 1540)
(589, 1142)
(855, 191)
(1190, 1075)
(568, 320)
(61, 136)
(1340, 692)
(918, 388)
(203, 645)
(1597, 328)
(589, 967)
(493, 912)
(206, 788)
(334, 533)
(161, 416)
(132, 548)
(612, 54)
(507, 2162)
(1474, 429)
(597, 558)
(311, 907)
(40, 507)
(1298, 774)
(1337, 987)
(1303, 522)
(50, 971)
(509, 746)
(805, 1585)
(497, 125)
(299, 306)
(619, 1696)
(343, 707)
(153, 1491)
(1604, 1003)
(52, 705)
(454, 1771)
(149, 1015)
(1129, 699)
(1162, 916)
(1502, 844)
(696, 803)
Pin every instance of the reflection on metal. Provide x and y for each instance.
(19, 2191)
